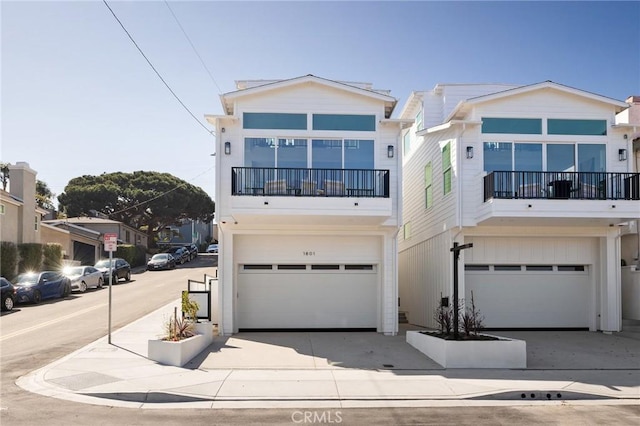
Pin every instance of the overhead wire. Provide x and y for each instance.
(193, 47)
(155, 70)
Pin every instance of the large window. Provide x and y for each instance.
(326, 154)
(419, 121)
(260, 152)
(291, 153)
(406, 142)
(446, 168)
(559, 157)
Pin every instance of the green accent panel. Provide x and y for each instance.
(522, 126)
(344, 122)
(447, 181)
(427, 175)
(576, 127)
(446, 156)
(269, 120)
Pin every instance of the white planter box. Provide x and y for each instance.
(503, 353)
(181, 352)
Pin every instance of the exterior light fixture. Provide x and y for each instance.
(390, 150)
(469, 152)
(227, 148)
(622, 154)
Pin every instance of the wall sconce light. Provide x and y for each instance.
(390, 150)
(469, 152)
(622, 154)
(227, 148)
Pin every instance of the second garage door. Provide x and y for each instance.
(307, 297)
(531, 296)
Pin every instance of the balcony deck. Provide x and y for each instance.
(562, 185)
(300, 182)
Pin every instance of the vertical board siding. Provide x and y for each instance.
(532, 250)
(425, 275)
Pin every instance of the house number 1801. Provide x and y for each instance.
(308, 253)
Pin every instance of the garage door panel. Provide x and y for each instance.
(307, 300)
(524, 300)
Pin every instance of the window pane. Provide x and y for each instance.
(497, 156)
(577, 127)
(326, 154)
(526, 126)
(528, 157)
(446, 156)
(292, 153)
(591, 158)
(259, 152)
(407, 142)
(561, 158)
(358, 154)
(251, 120)
(344, 122)
(447, 181)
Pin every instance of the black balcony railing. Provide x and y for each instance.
(310, 182)
(562, 185)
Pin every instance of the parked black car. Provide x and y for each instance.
(181, 254)
(121, 269)
(193, 251)
(9, 294)
(161, 261)
(35, 287)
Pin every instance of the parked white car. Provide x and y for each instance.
(84, 277)
(213, 248)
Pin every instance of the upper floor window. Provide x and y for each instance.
(576, 127)
(297, 153)
(268, 120)
(523, 126)
(127, 236)
(344, 122)
(2, 208)
(406, 231)
(419, 121)
(446, 168)
(406, 142)
(551, 157)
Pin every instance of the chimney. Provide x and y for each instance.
(22, 185)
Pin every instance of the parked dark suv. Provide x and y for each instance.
(193, 251)
(181, 254)
(121, 269)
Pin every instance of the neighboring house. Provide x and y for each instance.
(126, 234)
(78, 243)
(307, 200)
(190, 231)
(20, 216)
(539, 180)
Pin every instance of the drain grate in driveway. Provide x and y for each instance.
(539, 395)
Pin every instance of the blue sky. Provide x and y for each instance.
(78, 98)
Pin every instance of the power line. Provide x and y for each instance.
(193, 47)
(154, 69)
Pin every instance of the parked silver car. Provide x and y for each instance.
(84, 277)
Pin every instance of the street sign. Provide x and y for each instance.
(110, 242)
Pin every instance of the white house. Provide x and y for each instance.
(307, 199)
(539, 179)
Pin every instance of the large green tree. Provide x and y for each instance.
(44, 196)
(143, 200)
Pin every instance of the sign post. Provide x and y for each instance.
(110, 245)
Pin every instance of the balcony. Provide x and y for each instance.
(299, 182)
(262, 196)
(562, 185)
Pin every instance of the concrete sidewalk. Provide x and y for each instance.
(337, 370)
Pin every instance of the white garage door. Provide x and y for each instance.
(531, 296)
(307, 296)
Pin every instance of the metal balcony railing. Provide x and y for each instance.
(259, 181)
(562, 185)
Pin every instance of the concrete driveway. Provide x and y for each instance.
(546, 350)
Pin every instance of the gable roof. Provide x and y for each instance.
(463, 107)
(261, 86)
